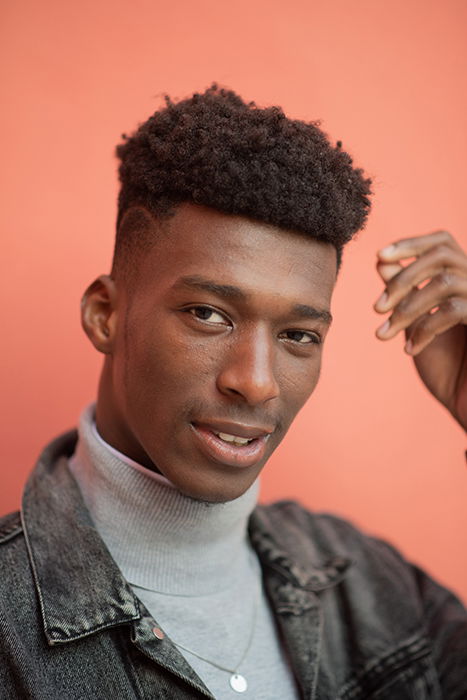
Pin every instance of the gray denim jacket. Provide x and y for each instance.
(356, 619)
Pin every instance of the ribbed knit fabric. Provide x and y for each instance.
(189, 562)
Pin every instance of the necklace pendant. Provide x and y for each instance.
(238, 682)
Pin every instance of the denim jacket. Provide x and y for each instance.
(357, 621)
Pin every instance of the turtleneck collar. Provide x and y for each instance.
(160, 539)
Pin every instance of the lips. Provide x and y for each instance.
(231, 444)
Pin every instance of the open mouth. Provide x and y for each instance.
(234, 439)
(228, 448)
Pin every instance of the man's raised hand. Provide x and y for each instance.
(426, 294)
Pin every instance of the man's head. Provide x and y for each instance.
(214, 317)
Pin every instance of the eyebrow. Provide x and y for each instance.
(311, 312)
(228, 291)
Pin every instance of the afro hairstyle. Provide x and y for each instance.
(216, 150)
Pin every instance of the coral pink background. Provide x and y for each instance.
(388, 79)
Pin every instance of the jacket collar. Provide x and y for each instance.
(285, 547)
(84, 590)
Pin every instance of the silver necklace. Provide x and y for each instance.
(237, 681)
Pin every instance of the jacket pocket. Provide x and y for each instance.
(407, 673)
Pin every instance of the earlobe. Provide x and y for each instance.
(99, 313)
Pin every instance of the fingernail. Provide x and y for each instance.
(383, 300)
(384, 328)
(388, 251)
(408, 347)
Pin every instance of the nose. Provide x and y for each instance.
(248, 371)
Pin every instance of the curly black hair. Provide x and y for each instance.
(216, 150)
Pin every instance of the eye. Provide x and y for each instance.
(208, 315)
(302, 337)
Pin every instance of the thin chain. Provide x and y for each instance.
(250, 639)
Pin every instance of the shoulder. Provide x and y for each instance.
(314, 539)
(291, 522)
(377, 568)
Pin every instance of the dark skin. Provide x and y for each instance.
(433, 317)
(222, 331)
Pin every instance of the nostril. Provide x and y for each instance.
(233, 391)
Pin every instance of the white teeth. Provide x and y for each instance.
(233, 438)
(226, 437)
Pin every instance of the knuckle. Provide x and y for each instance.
(444, 280)
(443, 254)
(424, 323)
(452, 307)
(446, 236)
(401, 313)
(421, 332)
(403, 306)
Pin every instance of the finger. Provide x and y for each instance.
(410, 332)
(421, 301)
(388, 270)
(450, 314)
(441, 261)
(414, 247)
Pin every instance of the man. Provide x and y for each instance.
(140, 566)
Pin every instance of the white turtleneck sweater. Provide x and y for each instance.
(190, 563)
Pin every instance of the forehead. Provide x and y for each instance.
(257, 257)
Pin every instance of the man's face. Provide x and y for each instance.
(217, 348)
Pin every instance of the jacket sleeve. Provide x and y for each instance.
(446, 624)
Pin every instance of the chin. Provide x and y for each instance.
(218, 491)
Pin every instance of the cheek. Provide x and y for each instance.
(299, 382)
(167, 363)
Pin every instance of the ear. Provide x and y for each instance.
(99, 313)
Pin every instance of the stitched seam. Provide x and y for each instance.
(54, 641)
(10, 534)
(11, 526)
(34, 573)
(420, 651)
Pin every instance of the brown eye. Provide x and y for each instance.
(205, 313)
(302, 337)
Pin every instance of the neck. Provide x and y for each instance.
(111, 426)
(160, 538)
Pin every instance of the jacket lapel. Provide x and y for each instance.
(295, 573)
